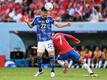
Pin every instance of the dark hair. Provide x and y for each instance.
(43, 9)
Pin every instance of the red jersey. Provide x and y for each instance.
(61, 44)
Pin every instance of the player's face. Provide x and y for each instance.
(44, 14)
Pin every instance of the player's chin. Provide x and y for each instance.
(44, 16)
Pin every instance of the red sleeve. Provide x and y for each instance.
(71, 37)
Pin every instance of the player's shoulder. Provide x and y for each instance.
(50, 17)
(37, 17)
(59, 33)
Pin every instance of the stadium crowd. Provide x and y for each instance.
(64, 10)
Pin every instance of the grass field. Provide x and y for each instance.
(27, 74)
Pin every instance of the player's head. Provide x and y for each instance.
(53, 33)
(44, 12)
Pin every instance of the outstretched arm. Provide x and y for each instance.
(59, 25)
(28, 23)
(77, 41)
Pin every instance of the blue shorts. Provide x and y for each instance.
(72, 54)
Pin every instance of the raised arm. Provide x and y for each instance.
(28, 23)
(77, 41)
(59, 25)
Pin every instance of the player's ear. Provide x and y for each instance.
(53, 33)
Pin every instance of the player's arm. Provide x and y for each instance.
(28, 23)
(59, 25)
(77, 41)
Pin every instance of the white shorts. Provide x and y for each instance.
(48, 45)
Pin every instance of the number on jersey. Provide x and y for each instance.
(43, 26)
(60, 39)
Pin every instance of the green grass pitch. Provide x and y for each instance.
(27, 74)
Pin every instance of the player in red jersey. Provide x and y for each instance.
(65, 51)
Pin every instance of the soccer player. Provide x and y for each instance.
(104, 57)
(88, 56)
(97, 56)
(65, 51)
(44, 37)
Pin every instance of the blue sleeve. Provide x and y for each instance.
(34, 22)
(52, 20)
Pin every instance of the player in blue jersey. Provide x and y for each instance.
(44, 37)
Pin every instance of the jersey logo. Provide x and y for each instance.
(47, 21)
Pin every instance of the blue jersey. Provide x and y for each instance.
(44, 25)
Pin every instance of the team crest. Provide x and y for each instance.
(47, 21)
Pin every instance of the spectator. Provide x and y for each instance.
(87, 9)
(27, 15)
(70, 13)
(15, 15)
(105, 14)
(78, 11)
(82, 52)
(88, 56)
(18, 1)
(104, 57)
(95, 16)
(96, 57)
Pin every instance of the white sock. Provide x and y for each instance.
(105, 64)
(61, 62)
(77, 66)
(89, 62)
(72, 66)
(87, 68)
(92, 65)
(100, 63)
(85, 62)
(70, 63)
(66, 61)
(96, 66)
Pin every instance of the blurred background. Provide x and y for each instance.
(89, 24)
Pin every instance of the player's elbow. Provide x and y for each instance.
(78, 42)
(30, 26)
(58, 25)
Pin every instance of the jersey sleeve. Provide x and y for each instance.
(34, 22)
(71, 37)
(51, 20)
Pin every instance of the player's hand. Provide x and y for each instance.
(77, 42)
(26, 19)
(69, 24)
